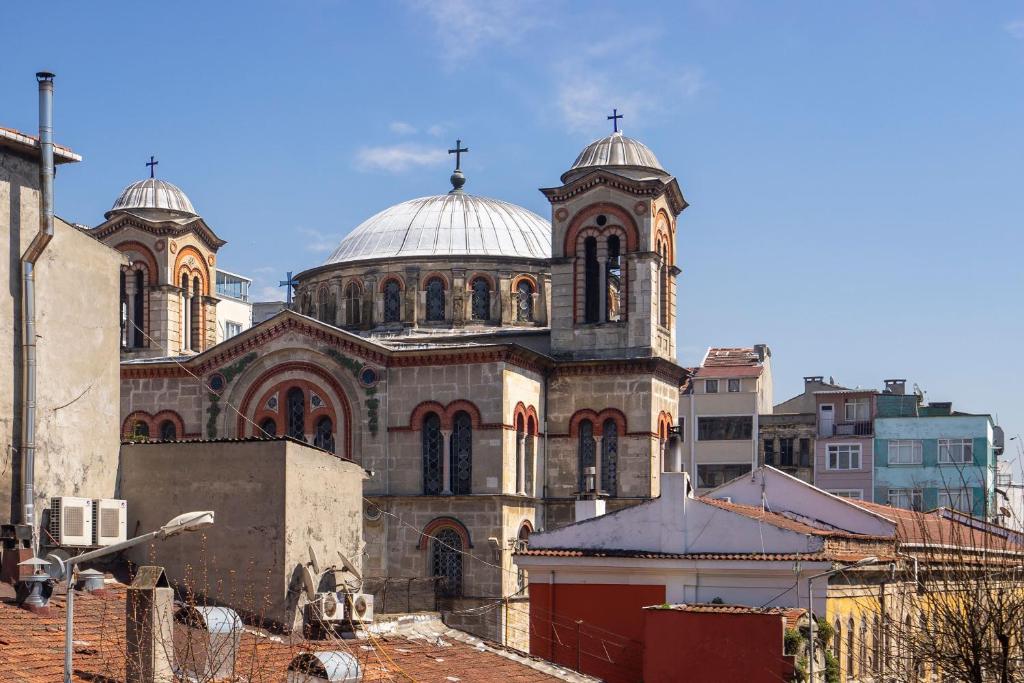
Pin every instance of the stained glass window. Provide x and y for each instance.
(481, 302)
(435, 300)
(268, 427)
(462, 454)
(168, 432)
(324, 436)
(432, 453)
(591, 282)
(353, 304)
(446, 562)
(295, 411)
(610, 457)
(587, 446)
(392, 302)
(524, 301)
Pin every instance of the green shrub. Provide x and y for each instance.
(792, 640)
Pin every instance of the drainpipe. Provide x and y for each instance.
(28, 261)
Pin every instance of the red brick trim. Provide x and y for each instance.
(147, 256)
(439, 523)
(432, 275)
(447, 415)
(598, 419)
(173, 416)
(419, 413)
(580, 219)
(478, 276)
(127, 430)
(388, 278)
(525, 276)
(311, 416)
(179, 264)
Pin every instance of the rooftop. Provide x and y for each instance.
(15, 138)
(729, 357)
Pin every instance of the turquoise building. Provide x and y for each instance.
(929, 456)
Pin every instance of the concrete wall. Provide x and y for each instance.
(272, 500)
(232, 310)
(77, 337)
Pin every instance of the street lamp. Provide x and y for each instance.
(810, 605)
(190, 521)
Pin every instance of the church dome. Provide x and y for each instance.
(453, 224)
(616, 150)
(153, 193)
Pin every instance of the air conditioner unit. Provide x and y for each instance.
(358, 607)
(110, 521)
(327, 607)
(71, 521)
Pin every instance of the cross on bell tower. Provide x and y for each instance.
(458, 178)
(152, 163)
(290, 283)
(614, 118)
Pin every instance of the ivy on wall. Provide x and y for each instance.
(229, 372)
(372, 404)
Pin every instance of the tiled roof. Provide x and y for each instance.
(32, 648)
(716, 608)
(779, 520)
(934, 528)
(647, 555)
(723, 357)
(61, 154)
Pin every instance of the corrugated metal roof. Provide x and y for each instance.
(616, 150)
(153, 193)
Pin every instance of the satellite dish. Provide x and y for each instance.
(350, 568)
(309, 584)
(58, 559)
(313, 561)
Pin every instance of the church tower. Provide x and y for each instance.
(613, 266)
(168, 280)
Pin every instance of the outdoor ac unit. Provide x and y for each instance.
(327, 607)
(71, 521)
(110, 521)
(358, 607)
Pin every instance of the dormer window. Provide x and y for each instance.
(711, 386)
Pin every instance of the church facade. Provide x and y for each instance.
(486, 366)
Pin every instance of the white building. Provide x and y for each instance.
(234, 310)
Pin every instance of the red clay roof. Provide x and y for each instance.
(780, 521)
(722, 357)
(32, 650)
(716, 608)
(61, 154)
(646, 555)
(934, 529)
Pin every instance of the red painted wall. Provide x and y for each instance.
(609, 643)
(714, 648)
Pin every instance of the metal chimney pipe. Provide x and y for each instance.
(28, 261)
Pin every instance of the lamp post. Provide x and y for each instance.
(810, 606)
(190, 521)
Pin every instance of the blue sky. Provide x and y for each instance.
(854, 169)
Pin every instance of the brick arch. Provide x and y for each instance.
(174, 417)
(665, 423)
(579, 269)
(438, 275)
(528, 526)
(663, 227)
(532, 421)
(179, 265)
(439, 523)
(478, 276)
(529, 277)
(353, 280)
(147, 256)
(137, 416)
(598, 419)
(388, 278)
(344, 411)
(580, 220)
(446, 413)
(311, 416)
(468, 406)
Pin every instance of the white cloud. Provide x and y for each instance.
(398, 158)
(1016, 29)
(437, 130)
(402, 128)
(317, 241)
(465, 27)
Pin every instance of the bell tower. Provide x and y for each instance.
(613, 266)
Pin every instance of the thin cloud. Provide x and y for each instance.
(402, 128)
(464, 27)
(318, 242)
(1016, 29)
(398, 158)
(436, 130)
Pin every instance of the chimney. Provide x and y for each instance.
(814, 379)
(896, 386)
(590, 504)
(762, 351)
(149, 628)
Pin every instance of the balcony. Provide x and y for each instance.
(859, 428)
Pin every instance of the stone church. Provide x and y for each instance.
(476, 359)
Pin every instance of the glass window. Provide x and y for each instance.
(268, 427)
(769, 451)
(610, 457)
(855, 494)
(324, 435)
(392, 302)
(908, 499)
(904, 452)
(711, 386)
(353, 304)
(325, 306)
(168, 432)
(858, 409)
(613, 281)
(432, 448)
(844, 456)
(295, 410)
(725, 428)
(480, 304)
(957, 451)
(586, 452)
(663, 303)
(591, 281)
(524, 301)
(710, 476)
(446, 562)
(956, 499)
(435, 300)
(786, 452)
(232, 329)
(140, 430)
(805, 452)
(462, 454)
(734, 386)
(139, 314)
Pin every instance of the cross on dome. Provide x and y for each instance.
(152, 166)
(614, 118)
(458, 178)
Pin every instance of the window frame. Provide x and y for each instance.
(856, 403)
(911, 494)
(708, 383)
(963, 491)
(700, 418)
(837, 446)
(745, 466)
(852, 494)
(966, 445)
(730, 384)
(916, 448)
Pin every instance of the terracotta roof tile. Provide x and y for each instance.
(914, 527)
(722, 357)
(714, 608)
(780, 521)
(60, 152)
(645, 555)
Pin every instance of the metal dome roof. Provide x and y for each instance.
(617, 150)
(153, 193)
(453, 224)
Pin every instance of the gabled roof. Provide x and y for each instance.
(940, 528)
(166, 225)
(29, 144)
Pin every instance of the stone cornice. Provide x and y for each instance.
(649, 188)
(159, 228)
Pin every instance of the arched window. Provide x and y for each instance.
(613, 281)
(432, 453)
(295, 413)
(837, 640)
(324, 306)
(586, 449)
(123, 315)
(480, 302)
(268, 428)
(863, 664)
(139, 314)
(524, 301)
(186, 318)
(850, 632)
(462, 453)
(663, 303)
(435, 299)
(610, 457)
(324, 435)
(140, 430)
(446, 562)
(591, 282)
(197, 317)
(353, 304)
(392, 302)
(168, 432)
